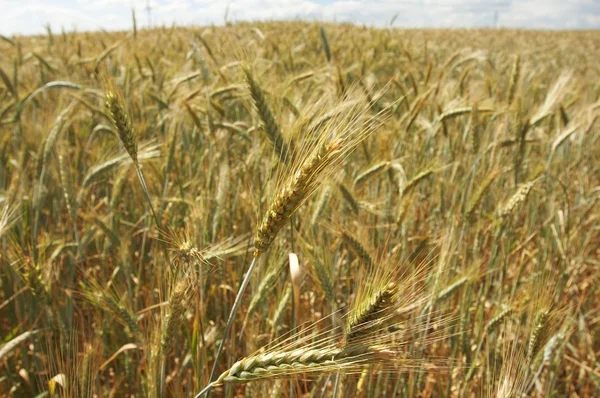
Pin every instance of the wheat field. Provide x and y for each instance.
(294, 209)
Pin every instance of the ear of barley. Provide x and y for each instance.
(120, 119)
(65, 177)
(108, 302)
(553, 347)
(66, 182)
(317, 352)
(105, 54)
(35, 280)
(487, 329)
(512, 375)
(555, 96)
(48, 147)
(57, 128)
(386, 291)
(125, 315)
(324, 275)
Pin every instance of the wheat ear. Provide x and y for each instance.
(371, 312)
(539, 335)
(358, 249)
(293, 194)
(268, 122)
(514, 79)
(120, 119)
(517, 198)
(284, 363)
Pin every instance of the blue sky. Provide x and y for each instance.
(30, 16)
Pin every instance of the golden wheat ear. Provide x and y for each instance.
(386, 292)
(115, 106)
(328, 143)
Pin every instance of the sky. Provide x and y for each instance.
(32, 16)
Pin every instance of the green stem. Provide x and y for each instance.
(236, 304)
(204, 390)
(146, 193)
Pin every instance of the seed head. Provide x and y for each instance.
(120, 119)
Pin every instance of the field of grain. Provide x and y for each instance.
(291, 209)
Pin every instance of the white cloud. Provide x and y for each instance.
(30, 16)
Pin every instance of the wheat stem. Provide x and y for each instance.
(234, 308)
